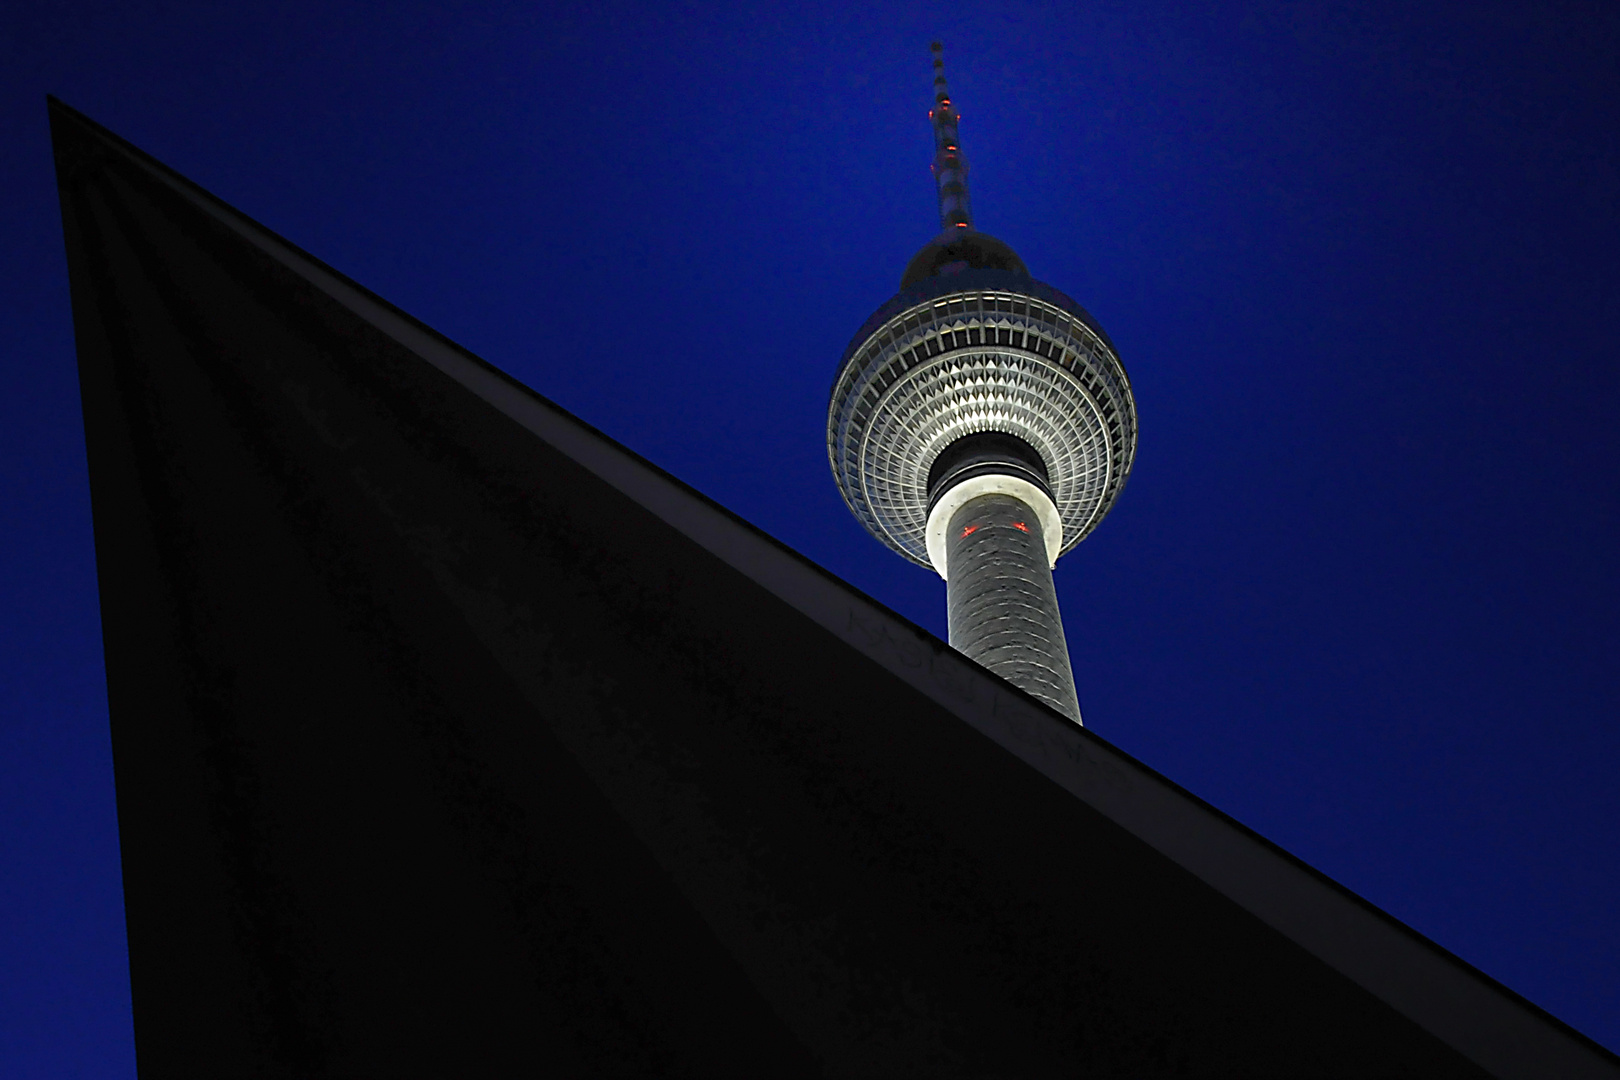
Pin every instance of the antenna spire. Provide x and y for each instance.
(950, 167)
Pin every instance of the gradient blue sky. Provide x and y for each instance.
(1362, 263)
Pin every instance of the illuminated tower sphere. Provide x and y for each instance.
(982, 424)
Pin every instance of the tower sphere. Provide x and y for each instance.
(972, 344)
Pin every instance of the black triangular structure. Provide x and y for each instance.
(452, 738)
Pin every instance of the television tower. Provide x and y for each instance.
(982, 424)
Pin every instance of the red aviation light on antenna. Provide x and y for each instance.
(950, 167)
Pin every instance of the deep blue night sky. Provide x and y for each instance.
(1362, 263)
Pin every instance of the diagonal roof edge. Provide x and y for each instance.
(1484, 1020)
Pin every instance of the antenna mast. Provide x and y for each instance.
(950, 167)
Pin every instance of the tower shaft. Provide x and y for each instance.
(1002, 604)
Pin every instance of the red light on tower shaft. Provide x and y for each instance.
(1020, 526)
(970, 530)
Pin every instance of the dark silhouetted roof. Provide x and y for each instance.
(453, 739)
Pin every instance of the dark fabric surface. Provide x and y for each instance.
(436, 755)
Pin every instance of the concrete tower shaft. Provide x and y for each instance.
(1002, 604)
